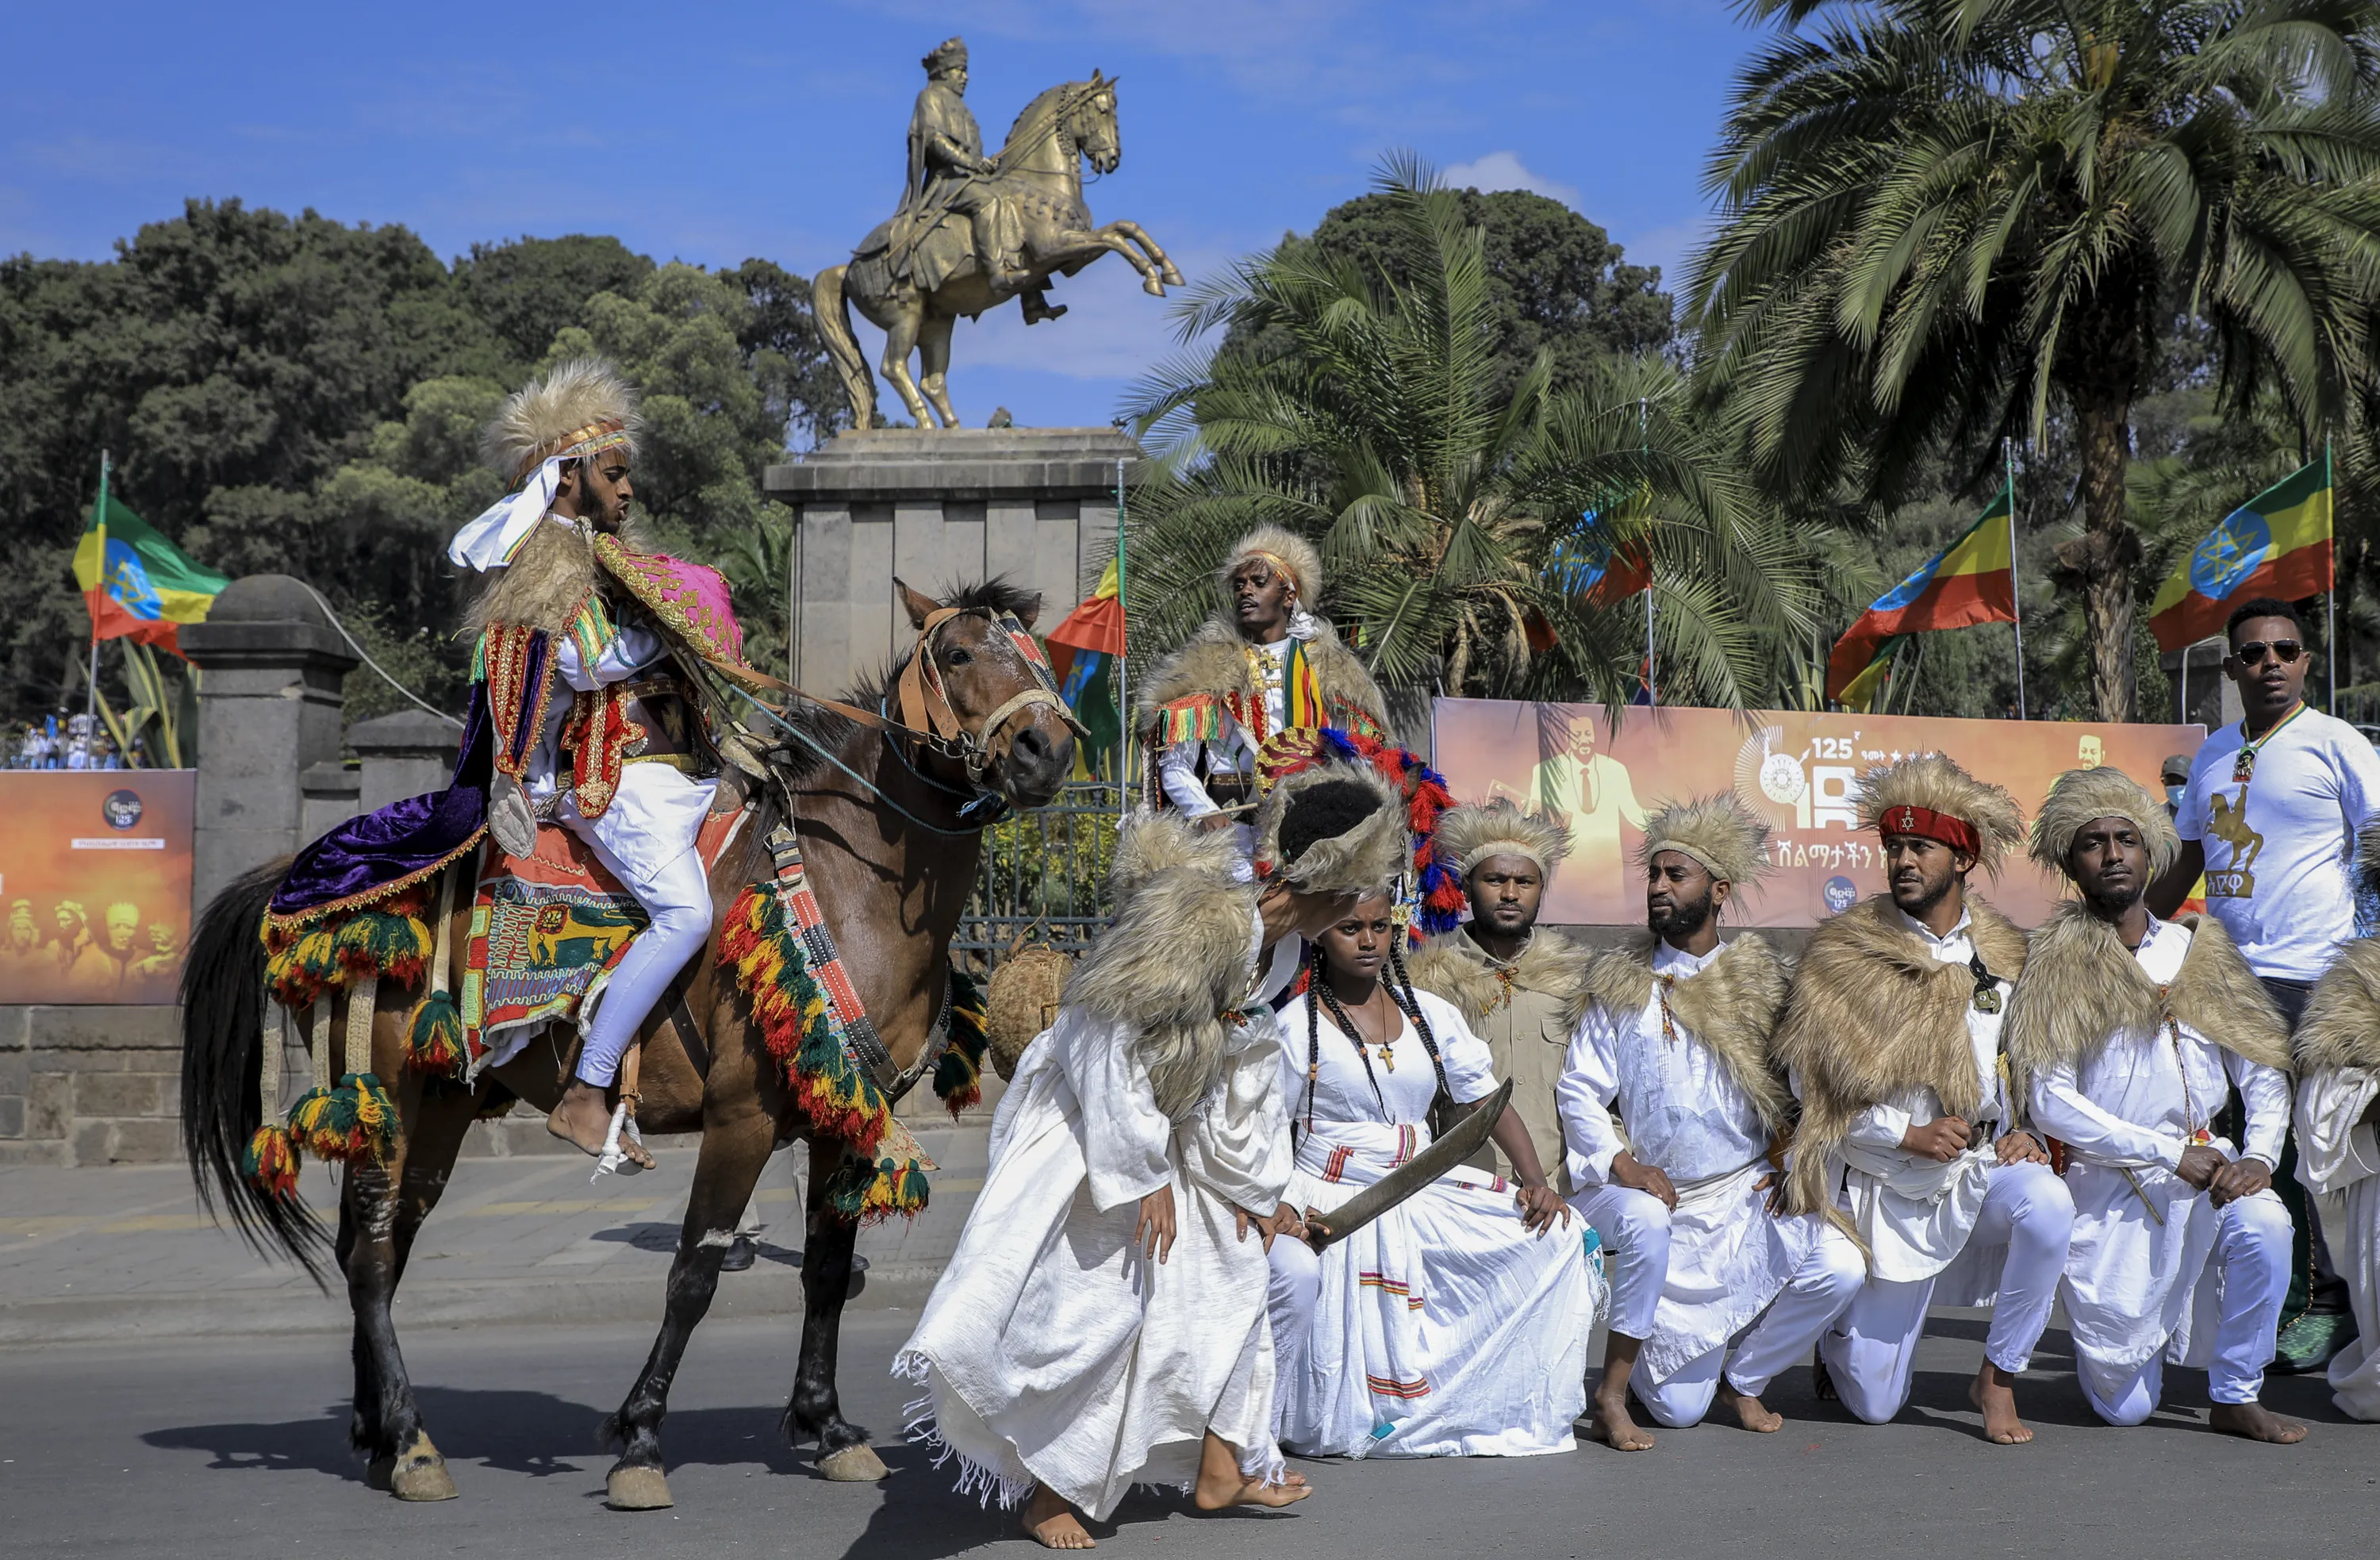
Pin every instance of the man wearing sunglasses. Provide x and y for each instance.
(2270, 815)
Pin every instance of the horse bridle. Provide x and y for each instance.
(927, 717)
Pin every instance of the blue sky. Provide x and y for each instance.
(735, 130)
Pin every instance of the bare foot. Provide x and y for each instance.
(583, 1119)
(1052, 1522)
(1613, 1425)
(1992, 1391)
(1220, 1482)
(2256, 1422)
(1750, 1412)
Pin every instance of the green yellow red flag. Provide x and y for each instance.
(137, 584)
(2275, 545)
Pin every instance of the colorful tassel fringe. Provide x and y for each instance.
(866, 1189)
(272, 1161)
(391, 941)
(958, 1077)
(357, 1120)
(435, 1037)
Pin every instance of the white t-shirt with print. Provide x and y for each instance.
(2278, 848)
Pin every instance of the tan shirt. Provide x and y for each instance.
(1526, 1038)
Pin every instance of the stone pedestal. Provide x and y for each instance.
(940, 508)
(410, 753)
(268, 709)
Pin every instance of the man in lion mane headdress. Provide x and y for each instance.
(2130, 1034)
(1674, 1042)
(1909, 1136)
(2336, 1051)
(1264, 664)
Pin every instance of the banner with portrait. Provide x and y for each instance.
(1792, 768)
(95, 879)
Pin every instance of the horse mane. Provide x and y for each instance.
(1037, 106)
(798, 761)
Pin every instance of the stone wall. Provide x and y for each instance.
(89, 1085)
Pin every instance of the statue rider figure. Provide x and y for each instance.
(949, 173)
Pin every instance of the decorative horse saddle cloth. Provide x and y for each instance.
(548, 928)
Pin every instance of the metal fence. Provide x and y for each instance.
(1043, 878)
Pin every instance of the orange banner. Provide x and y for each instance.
(1794, 769)
(95, 877)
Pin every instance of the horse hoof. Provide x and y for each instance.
(1153, 286)
(854, 1464)
(636, 1489)
(1172, 277)
(420, 1474)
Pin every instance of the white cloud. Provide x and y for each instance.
(1668, 248)
(1504, 170)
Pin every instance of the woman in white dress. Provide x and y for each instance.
(1454, 1325)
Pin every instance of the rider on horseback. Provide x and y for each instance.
(949, 173)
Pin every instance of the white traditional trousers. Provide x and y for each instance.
(646, 839)
(2251, 1260)
(1872, 1349)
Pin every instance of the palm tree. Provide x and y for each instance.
(1451, 515)
(1946, 219)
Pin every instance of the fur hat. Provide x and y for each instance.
(2082, 795)
(1468, 836)
(1719, 832)
(1931, 783)
(1285, 550)
(581, 406)
(1364, 859)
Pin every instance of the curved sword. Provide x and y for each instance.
(1459, 1144)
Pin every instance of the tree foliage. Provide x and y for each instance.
(1447, 505)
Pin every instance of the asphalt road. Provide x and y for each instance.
(236, 1446)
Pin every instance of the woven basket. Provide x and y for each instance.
(1023, 1001)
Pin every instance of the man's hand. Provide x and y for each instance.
(1214, 823)
(1283, 1220)
(2241, 1177)
(2199, 1166)
(1540, 1204)
(1154, 1232)
(988, 166)
(1942, 1140)
(1647, 1178)
(2022, 1148)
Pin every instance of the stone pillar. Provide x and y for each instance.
(410, 753)
(939, 507)
(330, 789)
(269, 708)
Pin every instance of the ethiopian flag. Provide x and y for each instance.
(2275, 545)
(1973, 580)
(137, 584)
(1082, 652)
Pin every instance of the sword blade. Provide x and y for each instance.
(1442, 1155)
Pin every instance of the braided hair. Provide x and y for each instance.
(1319, 995)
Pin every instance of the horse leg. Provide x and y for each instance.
(724, 1173)
(900, 340)
(1106, 237)
(843, 1452)
(934, 357)
(436, 1125)
(404, 1462)
(1139, 235)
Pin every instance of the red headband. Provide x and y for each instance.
(1926, 824)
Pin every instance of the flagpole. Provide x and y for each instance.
(1652, 692)
(2330, 597)
(2016, 592)
(90, 695)
(1123, 667)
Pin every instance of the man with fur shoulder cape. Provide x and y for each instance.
(1675, 1037)
(1518, 986)
(1908, 1136)
(2336, 1050)
(1102, 1323)
(586, 711)
(2132, 1032)
(1263, 664)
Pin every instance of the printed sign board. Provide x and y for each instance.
(95, 881)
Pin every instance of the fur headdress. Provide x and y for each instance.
(2081, 985)
(2367, 856)
(1929, 784)
(1719, 832)
(1468, 836)
(1286, 550)
(2082, 795)
(1363, 860)
(1176, 958)
(582, 406)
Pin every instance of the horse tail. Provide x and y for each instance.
(223, 1049)
(832, 310)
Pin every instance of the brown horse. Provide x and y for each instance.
(891, 856)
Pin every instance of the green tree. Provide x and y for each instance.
(1944, 219)
(1450, 510)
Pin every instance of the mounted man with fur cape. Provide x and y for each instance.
(1910, 1136)
(2130, 1033)
(1674, 1042)
(1519, 985)
(1072, 1347)
(2337, 1058)
(1263, 664)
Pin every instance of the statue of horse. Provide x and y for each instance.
(1040, 175)
(891, 856)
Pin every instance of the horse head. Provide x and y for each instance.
(984, 688)
(1091, 122)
